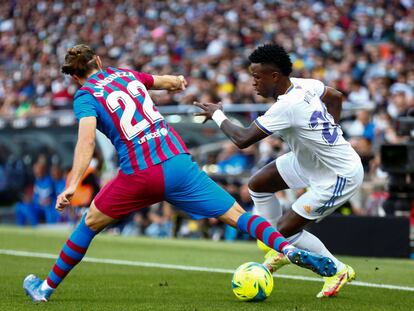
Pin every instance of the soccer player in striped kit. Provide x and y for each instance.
(154, 166)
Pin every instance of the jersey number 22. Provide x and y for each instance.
(151, 115)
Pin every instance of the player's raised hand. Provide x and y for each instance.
(208, 109)
(63, 200)
(183, 83)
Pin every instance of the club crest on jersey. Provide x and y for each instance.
(152, 135)
(307, 208)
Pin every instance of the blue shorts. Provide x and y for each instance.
(190, 189)
(178, 180)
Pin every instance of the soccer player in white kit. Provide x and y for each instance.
(305, 116)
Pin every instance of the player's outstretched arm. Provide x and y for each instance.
(242, 137)
(333, 102)
(82, 157)
(169, 83)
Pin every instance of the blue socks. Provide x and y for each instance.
(261, 229)
(72, 253)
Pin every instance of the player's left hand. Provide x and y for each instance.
(63, 200)
(209, 109)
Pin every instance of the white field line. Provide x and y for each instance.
(190, 268)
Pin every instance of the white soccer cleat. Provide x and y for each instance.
(32, 285)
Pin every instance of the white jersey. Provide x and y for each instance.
(302, 120)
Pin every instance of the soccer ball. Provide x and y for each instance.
(252, 282)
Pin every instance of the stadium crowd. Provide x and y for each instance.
(362, 48)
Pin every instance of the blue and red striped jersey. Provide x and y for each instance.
(126, 114)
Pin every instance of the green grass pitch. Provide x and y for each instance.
(103, 286)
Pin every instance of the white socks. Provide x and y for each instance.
(267, 206)
(287, 248)
(306, 240)
(46, 286)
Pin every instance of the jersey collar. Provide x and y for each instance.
(290, 88)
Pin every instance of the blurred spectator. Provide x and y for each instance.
(136, 223)
(362, 126)
(43, 191)
(88, 186)
(159, 216)
(26, 213)
(359, 97)
(232, 160)
(363, 147)
(59, 183)
(398, 104)
(269, 149)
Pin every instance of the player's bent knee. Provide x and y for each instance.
(91, 221)
(96, 220)
(254, 183)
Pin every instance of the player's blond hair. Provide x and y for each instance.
(80, 60)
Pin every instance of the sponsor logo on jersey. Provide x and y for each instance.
(152, 135)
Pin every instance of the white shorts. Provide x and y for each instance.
(319, 201)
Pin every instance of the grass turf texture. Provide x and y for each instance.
(96, 286)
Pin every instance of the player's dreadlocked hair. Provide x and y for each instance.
(79, 60)
(272, 54)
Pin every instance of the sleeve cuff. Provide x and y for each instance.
(85, 115)
(262, 128)
(325, 89)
